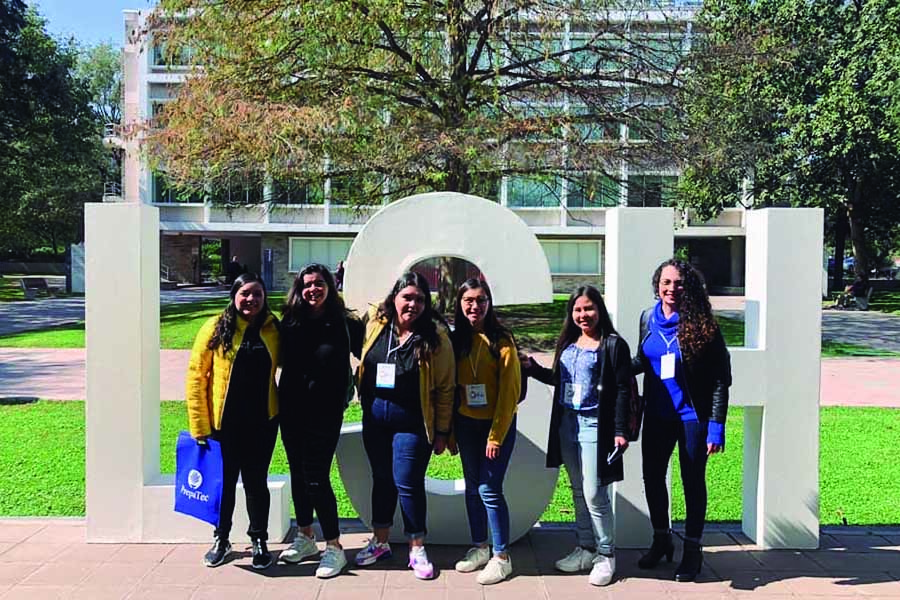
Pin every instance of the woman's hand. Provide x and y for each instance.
(440, 444)
(621, 441)
(526, 362)
(714, 448)
(492, 450)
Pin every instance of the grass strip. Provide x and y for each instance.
(42, 464)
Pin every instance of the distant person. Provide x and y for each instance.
(339, 276)
(687, 373)
(233, 270)
(231, 397)
(855, 295)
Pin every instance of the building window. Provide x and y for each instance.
(297, 192)
(592, 190)
(240, 192)
(165, 193)
(326, 251)
(164, 57)
(572, 257)
(651, 190)
(533, 191)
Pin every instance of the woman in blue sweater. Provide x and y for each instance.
(687, 373)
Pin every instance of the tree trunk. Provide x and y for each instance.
(840, 238)
(452, 270)
(858, 241)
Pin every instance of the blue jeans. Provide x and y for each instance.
(398, 451)
(485, 503)
(594, 523)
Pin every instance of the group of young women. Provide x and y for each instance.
(426, 389)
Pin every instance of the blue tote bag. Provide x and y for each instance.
(198, 478)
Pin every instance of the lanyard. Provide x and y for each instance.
(391, 339)
(667, 341)
(474, 365)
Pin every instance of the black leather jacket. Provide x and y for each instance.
(704, 380)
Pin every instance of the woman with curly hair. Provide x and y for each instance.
(231, 397)
(687, 373)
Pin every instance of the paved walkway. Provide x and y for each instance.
(59, 375)
(52, 312)
(41, 559)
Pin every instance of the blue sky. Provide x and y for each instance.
(89, 21)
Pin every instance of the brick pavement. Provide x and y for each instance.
(42, 559)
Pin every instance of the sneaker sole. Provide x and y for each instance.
(329, 575)
(297, 559)
(265, 566)
(568, 570)
(374, 559)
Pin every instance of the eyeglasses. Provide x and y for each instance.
(480, 301)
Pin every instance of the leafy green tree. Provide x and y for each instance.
(52, 159)
(793, 102)
(388, 98)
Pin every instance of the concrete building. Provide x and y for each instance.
(280, 231)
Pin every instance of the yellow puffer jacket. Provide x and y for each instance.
(437, 376)
(209, 373)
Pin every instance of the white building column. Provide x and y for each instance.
(637, 241)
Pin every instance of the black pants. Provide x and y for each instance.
(247, 451)
(310, 440)
(658, 440)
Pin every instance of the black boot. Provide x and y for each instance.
(662, 546)
(691, 562)
(262, 558)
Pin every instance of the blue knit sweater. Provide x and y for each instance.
(663, 338)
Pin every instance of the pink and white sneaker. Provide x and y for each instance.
(372, 553)
(419, 563)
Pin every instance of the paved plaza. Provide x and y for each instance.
(42, 559)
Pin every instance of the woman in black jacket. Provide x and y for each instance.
(687, 373)
(316, 336)
(591, 375)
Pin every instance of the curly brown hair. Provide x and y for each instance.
(697, 325)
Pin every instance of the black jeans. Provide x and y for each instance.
(247, 452)
(659, 437)
(310, 440)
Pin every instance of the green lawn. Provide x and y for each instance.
(535, 326)
(858, 468)
(10, 289)
(886, 302)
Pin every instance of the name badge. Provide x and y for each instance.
(574, 394)
(667, 366)
(385, 375)
(476, 395)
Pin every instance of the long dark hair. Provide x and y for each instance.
(571, 332)
(296, 310)
(227, 323)
(462, 329)
(424, 326)
(697, 325)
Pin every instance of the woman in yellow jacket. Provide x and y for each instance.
(489, 379)
(231, 398)
(406, 383)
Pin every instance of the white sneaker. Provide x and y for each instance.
(332, 563)
(496, 571)
(475, 558)
(603, 571)
(578, 559)
(302, 547)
